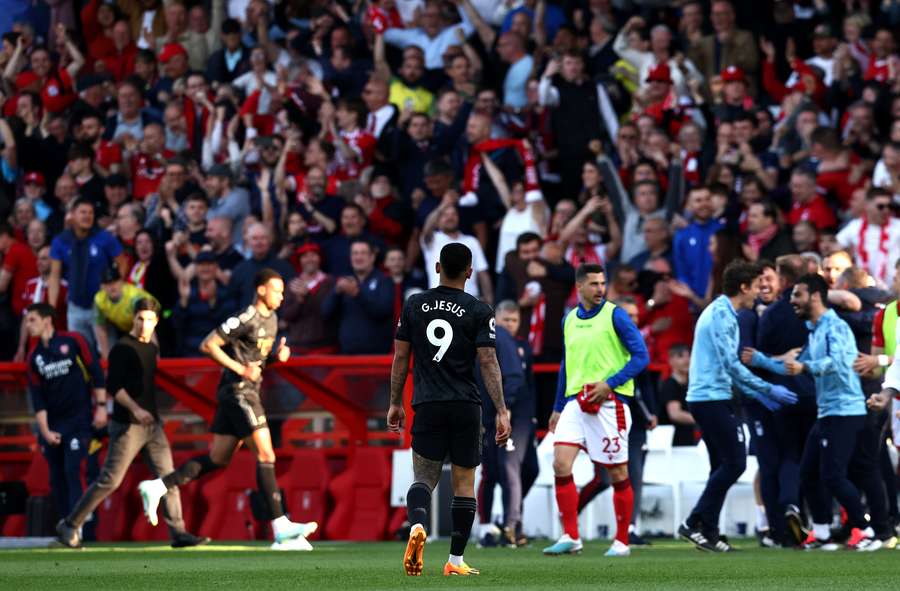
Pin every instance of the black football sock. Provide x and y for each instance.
(418, 500)
(462, 514)
(190, 470)
(268, 488)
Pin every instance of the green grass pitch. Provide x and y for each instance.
(345, 566)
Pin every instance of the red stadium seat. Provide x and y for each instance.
(306, 488)
(361, 497)
(37, 481)
(228, 515)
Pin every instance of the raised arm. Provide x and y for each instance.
(382, 69)
(471, 18)
(497, 178)
(621, 203)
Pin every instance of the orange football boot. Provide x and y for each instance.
(412, 558)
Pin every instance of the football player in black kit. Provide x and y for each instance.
(446, 330)
(242, 345)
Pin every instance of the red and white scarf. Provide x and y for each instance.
(536, 327)
(473, 167)
(757, 241)
(863, 253)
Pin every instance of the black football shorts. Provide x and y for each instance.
(239, 417)
(448, 431)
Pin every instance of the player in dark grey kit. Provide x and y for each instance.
(242, 345)
(446, 330)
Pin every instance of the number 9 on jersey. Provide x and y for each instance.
(442, 342)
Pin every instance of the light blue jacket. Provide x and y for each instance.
(828, 357)
(715, 365)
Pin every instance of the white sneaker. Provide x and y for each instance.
(298, 544)
(618, 549)
(295, 530)
(151, 492)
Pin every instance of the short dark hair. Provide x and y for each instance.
(368, 243)
(827, 137)
(585, 269)
(42, 309)
(81, 150)
(815, 284)
(875, 192)
(84, 201)
(768, 209)
(737, 274)
(197, 196)
(146, 304)
(263, 276)
(764, 264)
(679, 348)
(526, 237)
(455, 259)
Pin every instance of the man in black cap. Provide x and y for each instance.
(81, 167)
(226, 200)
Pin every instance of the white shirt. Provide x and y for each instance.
(434, 47)
(376, 121)
(432, 254)
(881, 178)
(515, 223)
(848, 238)
(146, 23)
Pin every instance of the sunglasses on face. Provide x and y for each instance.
(882, 206)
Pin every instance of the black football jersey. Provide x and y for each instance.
(248, 337)
(445, 327)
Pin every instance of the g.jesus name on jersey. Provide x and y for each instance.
(445, 327)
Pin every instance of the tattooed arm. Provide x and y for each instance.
(399, 370)
(493, 382)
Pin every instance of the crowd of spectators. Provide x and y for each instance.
(177, 147)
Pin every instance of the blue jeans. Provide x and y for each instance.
(81, 320)
(724, 438)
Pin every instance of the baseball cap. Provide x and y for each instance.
(170, 50)
(35, 177)
(231, 26)
(116, 180)
(659, 73)
(307, 247)
(822, 30)
(205, 256)
(220, 170)
(733, 74)
(110, 274)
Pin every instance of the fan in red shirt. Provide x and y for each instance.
(882, 45)
(107, 155)
(36, 291)
(840, 171)
(56, 86)
(97, 20)
(383, 211)
(149, 164)
(121, 59)
(19, 265)
(355, 146)
(806, 204)
(668, 319)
